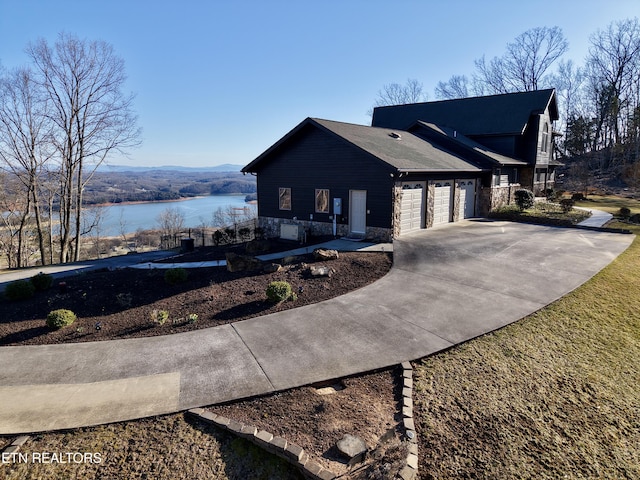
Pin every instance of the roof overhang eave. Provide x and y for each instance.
(440, 170)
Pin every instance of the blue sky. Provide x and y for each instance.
(221, 81)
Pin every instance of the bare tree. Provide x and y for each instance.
(92, 118)
(523, 67)
(613, 66)
(568, 82)
(24, 135)
(171, 223)
(396, 94)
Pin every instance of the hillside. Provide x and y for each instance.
(154, 184)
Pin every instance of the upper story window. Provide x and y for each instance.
(545, 138)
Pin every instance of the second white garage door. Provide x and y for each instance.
(442, 202)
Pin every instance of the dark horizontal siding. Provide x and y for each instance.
(316, 159)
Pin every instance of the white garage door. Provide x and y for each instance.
(411, 207)
(442, 202)
(467, 199)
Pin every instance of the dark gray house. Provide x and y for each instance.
(417, 166)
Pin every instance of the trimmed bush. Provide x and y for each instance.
(19, 290)
(624, 212)
(524, 198)
(42, 281)
(57, 319)
(576, 197)
(550, 193)
(279, 291)
(567, 204)
(173, 276)
(159, 317)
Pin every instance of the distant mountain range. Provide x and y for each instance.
(227, 167)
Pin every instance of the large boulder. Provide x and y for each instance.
(241, 263)
(323, 254)
(352, 447)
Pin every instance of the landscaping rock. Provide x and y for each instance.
(320, 271)
(240, 263)
(323, 254)
(352, 447)
(272, 268)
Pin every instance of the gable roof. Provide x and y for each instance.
(506, 114)
(449, 136)
(401, 150)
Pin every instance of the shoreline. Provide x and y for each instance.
(148, 202)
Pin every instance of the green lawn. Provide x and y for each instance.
(555, 395)
(610, 203)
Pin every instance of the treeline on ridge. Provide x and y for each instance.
(157, 185)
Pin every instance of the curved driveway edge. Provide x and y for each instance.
(447, 285)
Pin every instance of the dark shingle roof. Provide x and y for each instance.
(399, 149)
(448, 135)
(491, 115)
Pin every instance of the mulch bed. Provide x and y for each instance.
(125, 303)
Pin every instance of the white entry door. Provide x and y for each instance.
(358, 212)
(442, 202)
(467, 199)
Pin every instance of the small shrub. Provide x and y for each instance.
(42, 281)
(567, 204)
(192, 318)
(576, 197)
(635, 218)
(56, 319)
(159, 317)
(550, 193)
(524, 198)
(19, 290)
(173, 276)
(624, 212)
(278, 291)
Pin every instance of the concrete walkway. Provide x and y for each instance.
(598, 218)
(447, 285)
(338, 244)
(70, 269)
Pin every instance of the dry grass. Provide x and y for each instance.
(169, 447)
(555, 395)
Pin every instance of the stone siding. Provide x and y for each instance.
(492, 198)
(271, 228)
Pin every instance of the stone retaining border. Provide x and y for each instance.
(410, 471)
(296, 455)
(14, 447)
(292, 453)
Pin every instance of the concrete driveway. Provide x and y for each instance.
(447, 285)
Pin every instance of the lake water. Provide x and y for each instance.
(144, 216)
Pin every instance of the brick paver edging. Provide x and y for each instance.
(410, 471)
(296, 455)
(288, 451)
(14, 447)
